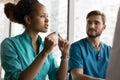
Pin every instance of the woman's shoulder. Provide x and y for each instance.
(9, 40)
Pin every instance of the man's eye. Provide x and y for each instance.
(96, 23)
(89, 22)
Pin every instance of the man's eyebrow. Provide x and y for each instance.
(93, 20)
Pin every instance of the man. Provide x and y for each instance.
(113, 72)
(89, 57)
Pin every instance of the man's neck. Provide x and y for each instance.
(95, 42)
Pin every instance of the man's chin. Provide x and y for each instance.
(92, 36)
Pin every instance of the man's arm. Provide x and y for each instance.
(77, 74)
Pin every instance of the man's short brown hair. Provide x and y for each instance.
(96, 12)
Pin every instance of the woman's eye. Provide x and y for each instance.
(42, 16)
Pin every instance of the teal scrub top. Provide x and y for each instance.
(17, 54)
(94, 63)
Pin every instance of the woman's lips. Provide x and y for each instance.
(46, 26)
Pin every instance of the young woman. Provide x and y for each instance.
(26, 57)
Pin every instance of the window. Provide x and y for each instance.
(4, 24)
(82, 8)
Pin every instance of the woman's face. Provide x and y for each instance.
(39, 20)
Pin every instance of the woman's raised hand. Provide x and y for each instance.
(63, 46)
(49, 42)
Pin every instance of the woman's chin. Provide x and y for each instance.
(44, 31)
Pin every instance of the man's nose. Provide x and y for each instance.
(92, 25)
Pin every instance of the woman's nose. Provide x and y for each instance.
(46, 20)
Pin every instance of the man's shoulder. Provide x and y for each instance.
(105, 45)
(79, 42)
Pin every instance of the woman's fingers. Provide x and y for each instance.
(63, 44)
(50, 42)
(52, 35)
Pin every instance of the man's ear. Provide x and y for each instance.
(27, 19)
(104, 26)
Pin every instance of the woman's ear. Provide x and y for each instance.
(27, 20)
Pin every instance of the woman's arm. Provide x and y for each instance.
(32, 70)
(64, 47)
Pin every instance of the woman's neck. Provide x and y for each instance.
(33, 34)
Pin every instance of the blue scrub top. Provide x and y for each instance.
(17, 54)
(83, 55)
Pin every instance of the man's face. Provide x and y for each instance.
(94, 26)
